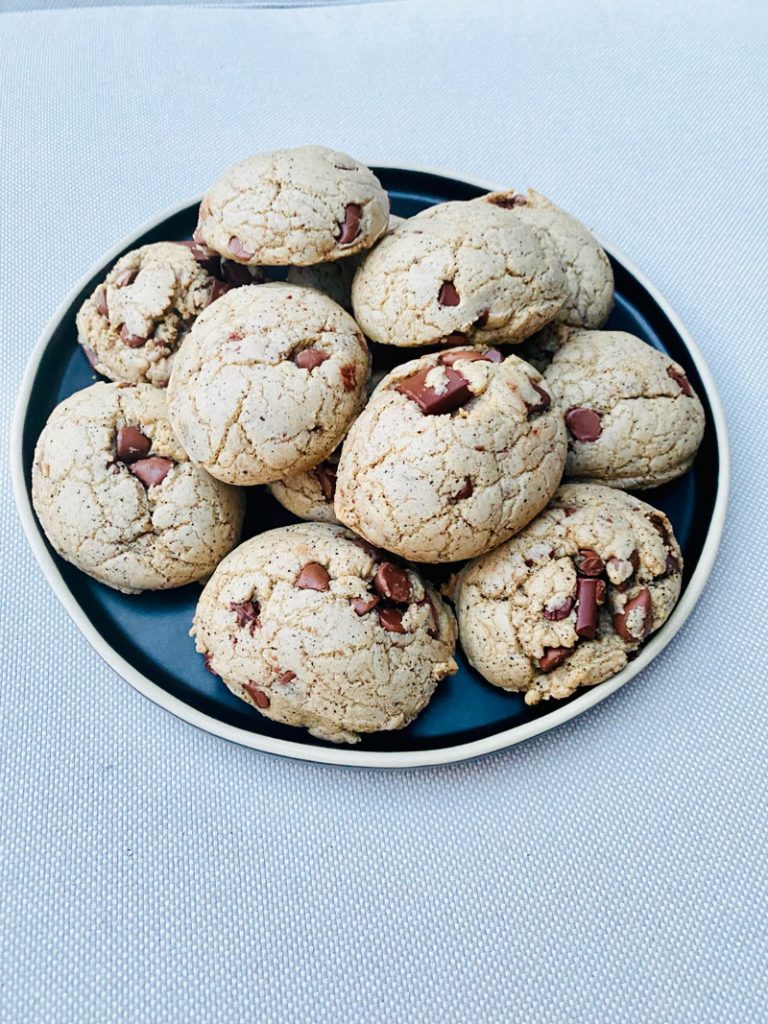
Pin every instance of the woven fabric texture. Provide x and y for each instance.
(611, 871)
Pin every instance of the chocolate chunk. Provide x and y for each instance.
(313, 577)
(634, 628)
(218, 288)
(455, 338)
(349, 228)
(238, 274)
(127, 277)
(247, 614)
(482, 318)
(209, 260)
(259, 698)
(309, 358)
(583, 424)
(508, 202)
(681, 380)
(132, 340)
(586, 607)
(151, 471)
(326, 477)
(660, 526)
(391, 581)
(544, 402)
(348, 377)
(374, 553)
(600, 591)
(392, 620)
(448, 296)
(434, 403)
(131, 444)
(363, 605)
(470, 355)
(286, 677)
(672, 566)
(208, 662)
(588, 563)
(237, 248)
(553, 657)
(101, 302)
(558, 611)
(466, 491)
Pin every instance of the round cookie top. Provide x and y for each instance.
(133, 323)
(565, 602)
(315, 628)
(310, 494)
(267, 382)
(458, 272)
(118, 497)
(453, 453)
(588, 273)
(294, 207)
(633, 419)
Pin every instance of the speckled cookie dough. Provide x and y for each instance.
(267, 383)
(294, 207)
(317, 629)
(118, 497)
(454, 453)
(566, 602)
(588, 273)
(310, 494)
(335, 279)
(633, 418)
(459, 272)
(133, 323)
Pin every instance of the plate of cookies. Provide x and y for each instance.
(372, 466)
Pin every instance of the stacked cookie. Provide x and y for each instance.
(259, 329)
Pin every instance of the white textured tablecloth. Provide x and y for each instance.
(611, 871)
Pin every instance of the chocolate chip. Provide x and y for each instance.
(588, 563)
(259, 698)
(349, 228)
(238, 274)
(391, 581)
(151, 471)
(448, 296)
(482, 318)
(672, 566)
(374, 553)
(101, 302)
(127, 277)
(313, 577)
(131, 444)
(544, 402)
(454, 338)
(247, 614)
(586, 607)
(237, 248)
(660, 526)
(363, 605)
(508, 202)
(431, 402)
(218, 288)
(642, 605)
(349, 377)
(560, 610)
(553, 657)
(583, 424)
(309, 358)
(132, 340)
(681, 380)
(326, 477)
(466, 491)
(286, 677)
(470, 355)
(392, 620)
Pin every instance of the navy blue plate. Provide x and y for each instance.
(150, 631)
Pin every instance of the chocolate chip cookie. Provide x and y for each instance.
(588, 273)
(317, 629)
(118, 497)
(293, 207)
(566, 602)
(132, 324)
(459, 272)
(267, 383)
(453, 453)
(633, 419)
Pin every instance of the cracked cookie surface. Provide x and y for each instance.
(118, 497)
(565, 602)
(267, 382)
(588, 273)
(133, 323)
(453, 453)
(294, 207)
(633, 419)
(314, 628)
(459, 271)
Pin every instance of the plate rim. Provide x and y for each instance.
(349, 756)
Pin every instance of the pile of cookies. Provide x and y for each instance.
(242, 357)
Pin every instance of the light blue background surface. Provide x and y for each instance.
(611, 871)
